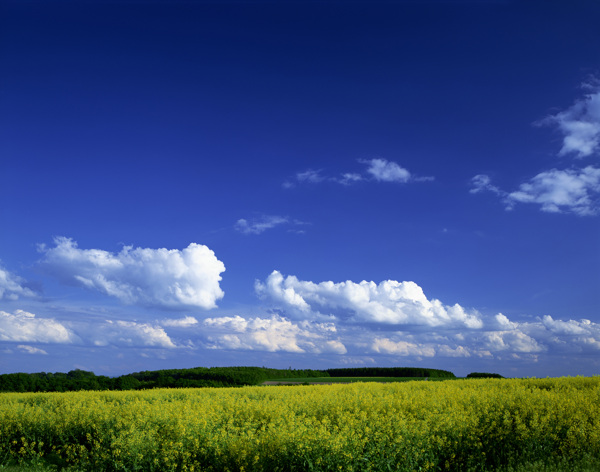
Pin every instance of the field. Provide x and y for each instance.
(509, 424)
(332, 380)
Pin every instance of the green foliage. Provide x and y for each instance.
(174, 378)
(390, 372)
(483, 375)
(197, 377)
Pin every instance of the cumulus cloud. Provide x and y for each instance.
(130, 333)
(148, 277)
(414, 325)
(402, 348)
(386, 171)
(273, 334)
(185, 322)
(500, 338)
(557, 191)
(579, 124)
(22, 326)
(389, 302)
(31, 350)
(513, 340)
(12, 286)
(574, 190)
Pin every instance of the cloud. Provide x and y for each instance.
(389, 302)
(513, 340)
(379, 170)
(568, 190)
(386, 171)
(414, 325)
(350, 178)
(180, 323)
(483, 183)
(402, 348)
(309, 176)
(31, 350)
(273, 334)
(12, 286)
(263, 223)
(558, 191)
(260, 225)
(22, 326)
(142, 276)
(579, 124)
(129, 333)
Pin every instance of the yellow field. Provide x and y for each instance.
(450, 425)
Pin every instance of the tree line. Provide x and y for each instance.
(191, 378)
(390, 372)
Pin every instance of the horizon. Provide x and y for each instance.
(294, 184)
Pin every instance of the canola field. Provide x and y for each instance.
(451, 425)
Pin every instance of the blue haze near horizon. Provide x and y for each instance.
(309, 184)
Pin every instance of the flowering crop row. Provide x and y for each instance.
(451, 425)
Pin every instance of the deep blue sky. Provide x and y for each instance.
(306, 184)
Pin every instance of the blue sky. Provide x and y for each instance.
(310, 184)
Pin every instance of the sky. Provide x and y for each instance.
(300, 184)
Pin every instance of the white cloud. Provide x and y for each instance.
(386, 171)
(12, 286)
(389, 302)
(273, 334)
(402, 348)
(579, 124)
(31, 350)
(483, 183)
(414, 325)
(310, 176)
(350, 178)
(559, 191)
(129, 333)
(22, 326)
(513, 340)
(180, 323)
(571, 327)
(263, 223)
(259, 225)
(148, 277)
(556, 191)
(380, 170)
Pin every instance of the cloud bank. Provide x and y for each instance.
(389, 302)
(12, 286)
(396, 319)
(22, 326)
(273, 334)
(148, 277)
